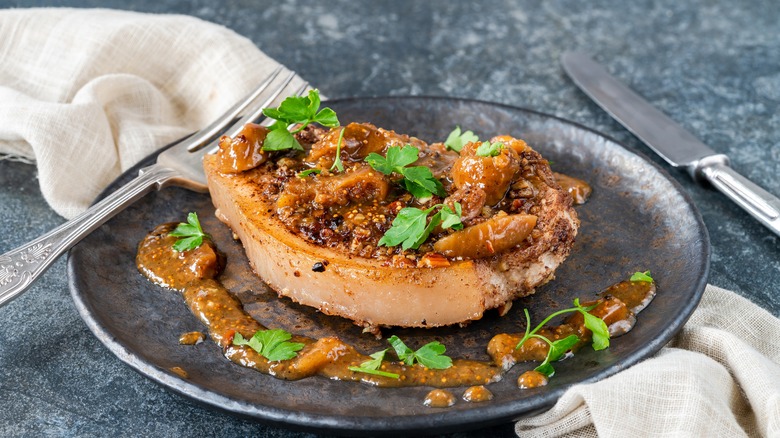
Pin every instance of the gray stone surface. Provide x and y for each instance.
(712, 65)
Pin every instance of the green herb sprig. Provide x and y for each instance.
(411, 227)
(600, 338)
(642, 276)
(372, 366)
(190, 234)
(457, 139)
(296, 110)
(430, 355)
(271, 344)
(418, 180)
(307, 172)
(488, 149)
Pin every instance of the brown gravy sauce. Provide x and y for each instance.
(476, 394)
(439, 398)
(193, 273)
(191, 338)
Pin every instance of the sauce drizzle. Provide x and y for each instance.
(194, 272)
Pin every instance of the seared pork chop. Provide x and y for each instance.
(315, 237)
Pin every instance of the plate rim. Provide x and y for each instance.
(475, 417)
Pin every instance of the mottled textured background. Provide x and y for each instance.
(712, 65)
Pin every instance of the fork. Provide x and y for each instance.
(178, 165)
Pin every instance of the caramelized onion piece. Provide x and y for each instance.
(491, 174)
(360, 139)
(496, 234)
(243, 152)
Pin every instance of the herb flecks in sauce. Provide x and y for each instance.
(329, 357)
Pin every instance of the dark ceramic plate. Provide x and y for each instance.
(637, 219)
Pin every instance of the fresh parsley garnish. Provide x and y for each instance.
(430, 355)
(488, 149)
(600, 338)
(411, 227)
(337, 164)
(296, 110)
(190, 234)
(642, 276)
(271, 344)
(418, 180)
(456, 139)
(307, 172)
(557, 349)
(596, 325)
(372, 366)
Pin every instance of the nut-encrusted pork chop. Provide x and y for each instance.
(315, 237)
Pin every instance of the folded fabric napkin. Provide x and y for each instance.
(88, 93)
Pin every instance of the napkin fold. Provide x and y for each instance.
(86, 94)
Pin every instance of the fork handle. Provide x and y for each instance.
(23, 265)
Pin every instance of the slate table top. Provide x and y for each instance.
(714, 66)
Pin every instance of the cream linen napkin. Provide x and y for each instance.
(88, 93)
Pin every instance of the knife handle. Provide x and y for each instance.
(761, 204)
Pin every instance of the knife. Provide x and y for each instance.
(669, 140)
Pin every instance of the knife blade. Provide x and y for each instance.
(670, 140)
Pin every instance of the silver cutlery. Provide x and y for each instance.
(669, 140)
(178, 165)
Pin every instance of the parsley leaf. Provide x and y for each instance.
(307, 172)
(411, 227)
(595, 325)
(451, 219)
(430, 355)
(271, 344)
(296, 110)
(555, 351)
(191, 234)
(642, 276)
(404, 353)
(418, 180)
(488, 149)
(372, 366)
(280, 139)
(456, 139)
(406, 228)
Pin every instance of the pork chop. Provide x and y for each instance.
(315, 236)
